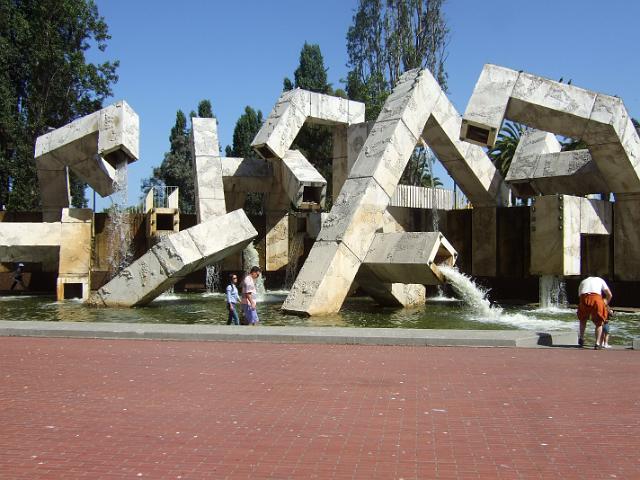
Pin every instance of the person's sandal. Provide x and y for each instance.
(598, 347)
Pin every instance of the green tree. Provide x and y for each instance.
(386, 39)
(45, 82)
(176, 168)
(311, 73)
(244, 132)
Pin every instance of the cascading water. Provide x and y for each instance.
(470, 293)
(482, 311)
(552, 292)
(295, 250)
(250, 258)
(119, 229)
(212, 280)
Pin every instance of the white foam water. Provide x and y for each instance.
(483, 311)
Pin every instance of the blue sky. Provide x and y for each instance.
(174, 54)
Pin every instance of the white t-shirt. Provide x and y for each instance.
(592, 285)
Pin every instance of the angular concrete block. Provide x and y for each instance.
(209, 187)
(555, 236)
(294, 107)
(412, 100)
(324, 280)
(276, 241)
(247, 175)
(75, 249)
(91, 146)
(551, 106)
(539, 167)
(356, 215)
(602, 122)
(204, 137)
(596, 217)
(306, 188)
(467, 164)
(486, 108)
(173, 258)
(409, 257)
(385, 154)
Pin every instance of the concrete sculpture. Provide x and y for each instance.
(92, 146)
(358, 212)
(600, 121)
(174, 257)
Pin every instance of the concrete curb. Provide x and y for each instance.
(318, 335)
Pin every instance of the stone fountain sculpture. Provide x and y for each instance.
(417, 108)
(610, 164)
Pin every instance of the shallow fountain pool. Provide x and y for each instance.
(439, 313)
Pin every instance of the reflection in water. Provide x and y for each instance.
(357, 312)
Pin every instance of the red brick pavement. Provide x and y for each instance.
(107, 409)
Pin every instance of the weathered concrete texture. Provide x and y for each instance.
(324, 280)
(484, 241)
(540, 168)
(306, 188)
(356, 215)
(209, 186)
(557, 221)
(74, 266)
(486, 108)
(390, 294)
(247, 175)
(92, 146)
(467, 164)
(174, 257)
(29, 242)
(290, 113)
(626, 237)
(601, 121)
(204, 137)
(409, 257)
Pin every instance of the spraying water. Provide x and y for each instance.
(119, 233)
(483, 312)
(295, 250)
(470, 293)
(250, 258)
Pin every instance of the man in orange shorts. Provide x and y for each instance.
(593, 305)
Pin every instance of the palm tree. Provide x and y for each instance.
(505, 148)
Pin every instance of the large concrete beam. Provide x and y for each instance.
(601, 121)
(539, 167)
(557, 222)
(304, 185)
(409, 257)
(291, 111)
(174, 257)
(92, 146)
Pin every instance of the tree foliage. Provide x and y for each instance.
(244, 132)
(176, 168)
(45, 82)
(388, 38)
